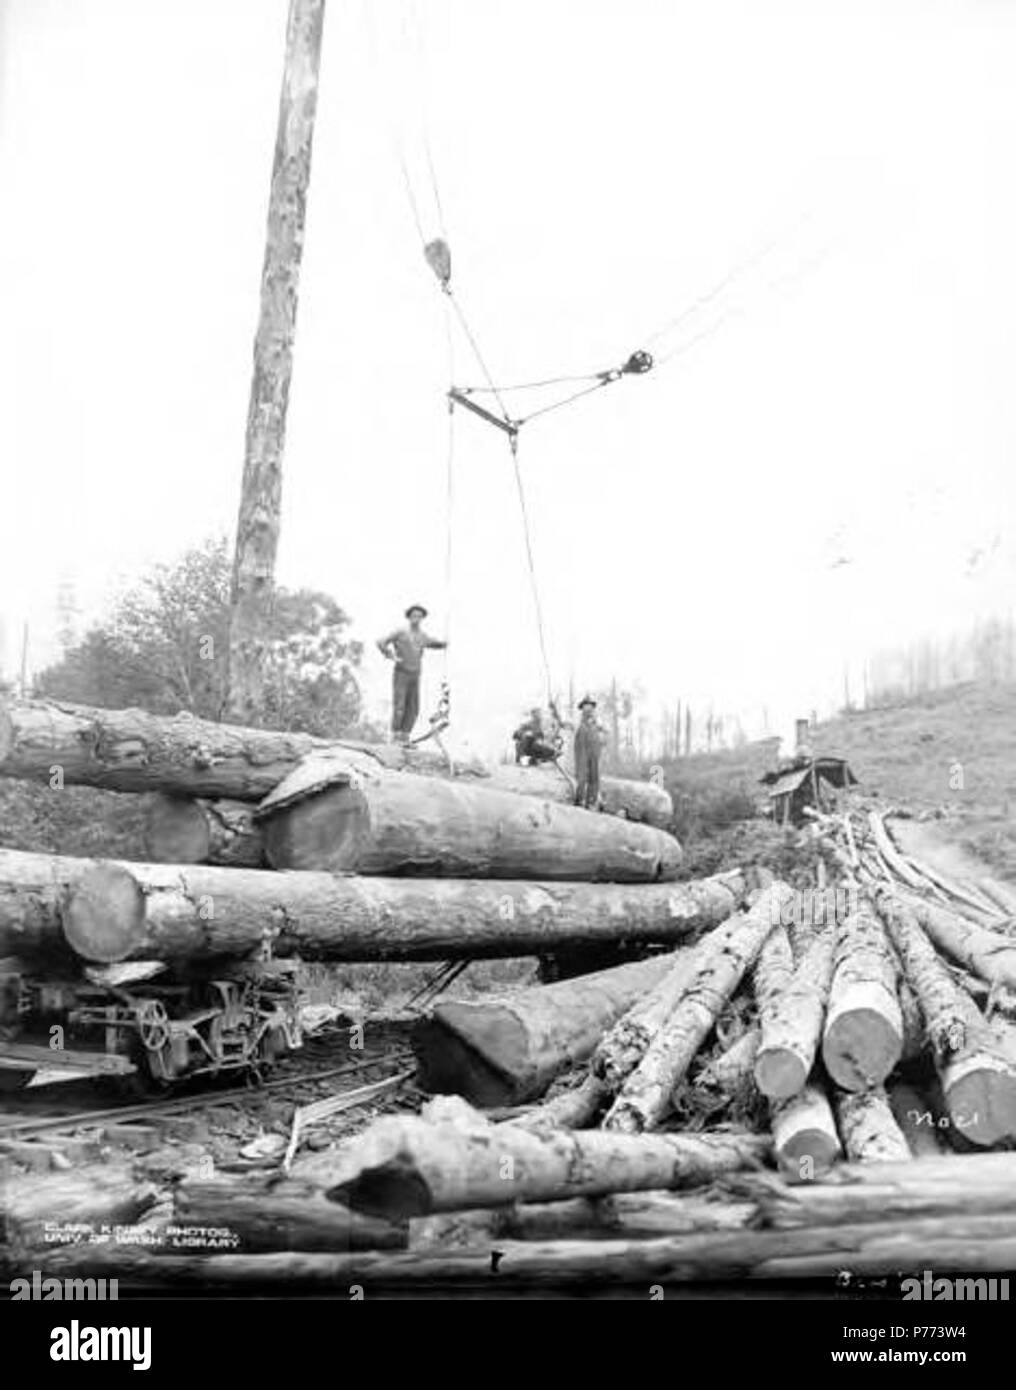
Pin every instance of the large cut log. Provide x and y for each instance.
(868, 1127)
(792, 1023)
(133, 751)
(407, 1165)
(978, 1079)
(114, 911)
(190, 830)
(645, 1096)
(335, 815)
(804, 1134)
(501, 1051)
(620, 796)
(863, 1037)
(968, 1244)
(286, 1216)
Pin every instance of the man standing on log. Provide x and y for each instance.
(588, 742)
(405, 646)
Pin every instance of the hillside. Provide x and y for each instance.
(949, 751)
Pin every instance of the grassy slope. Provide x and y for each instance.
(950, 750)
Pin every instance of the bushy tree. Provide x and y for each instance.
(164, 648)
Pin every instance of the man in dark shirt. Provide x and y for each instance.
(588, 742)
(405, 646)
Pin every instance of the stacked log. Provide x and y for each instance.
(111, 911)
(134, 751)
(332, 814)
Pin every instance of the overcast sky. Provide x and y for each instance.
(828, 468)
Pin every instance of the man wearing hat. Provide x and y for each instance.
(405, 646)
(588, 742)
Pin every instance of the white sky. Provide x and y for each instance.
(600, 167)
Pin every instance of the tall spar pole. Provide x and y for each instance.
(257, 531)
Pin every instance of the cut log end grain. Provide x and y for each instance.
(805, 1135)
(864, 1038)
(187, 830)
(980, 1096)
(779, 1073)
(104, 914)
(176, 831)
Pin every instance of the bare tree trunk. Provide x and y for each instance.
(257, 532)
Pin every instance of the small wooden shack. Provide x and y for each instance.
(807, 781)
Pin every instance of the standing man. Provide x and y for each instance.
(405, 646)
(588, 742)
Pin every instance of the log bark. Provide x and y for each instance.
(112, 911)
(792, 1026)
(646, 1094)
(863, 1037)
(189, 830)
(575, 1108)
(989, 954)
(257, 532)
(868, 1127)
(287, 1216)
(939, 998)
(409, 1166)
(502, 1051)
(624, 1045)
(134, 751)
(804, 1134)
(380, 822)
(968, 1244)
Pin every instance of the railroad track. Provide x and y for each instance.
(21, 1127)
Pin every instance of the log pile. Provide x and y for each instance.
(783, 1076)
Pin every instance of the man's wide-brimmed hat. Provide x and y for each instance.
(587, 700)
(416, 608)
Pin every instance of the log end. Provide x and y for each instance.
(176, 831)
(808, 1153)
(327, 831)
(779, 1073)
(104, 914)
(981, 1102)
(860, 1048)
(451, 1048)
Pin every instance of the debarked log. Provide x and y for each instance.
(112, 911)
(335, 815)
(504, 1050)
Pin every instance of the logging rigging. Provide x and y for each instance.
(488, 400)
